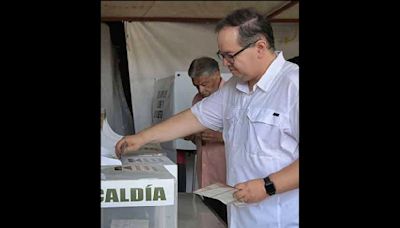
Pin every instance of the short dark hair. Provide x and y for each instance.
(203, 66)
(252, 26)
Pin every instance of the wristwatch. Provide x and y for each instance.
(269, 186)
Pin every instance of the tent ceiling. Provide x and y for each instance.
(206, 10)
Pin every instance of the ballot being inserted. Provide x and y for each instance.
(221, 192)
(109, 160)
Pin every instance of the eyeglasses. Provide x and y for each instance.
(230, 58)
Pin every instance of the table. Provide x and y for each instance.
(193, 213)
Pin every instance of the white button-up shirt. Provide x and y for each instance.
(261, 133)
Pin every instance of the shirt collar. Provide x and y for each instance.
(242, 86)
(221, 83)
(265, 81)
(270, 74)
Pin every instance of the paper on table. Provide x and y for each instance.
(221, 192)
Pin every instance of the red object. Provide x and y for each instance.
(180, 157)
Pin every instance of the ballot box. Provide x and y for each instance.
(157, 158)
(139, 195)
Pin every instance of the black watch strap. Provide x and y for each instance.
(269, 186)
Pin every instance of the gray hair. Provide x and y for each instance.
(203, 66)
(252, 26)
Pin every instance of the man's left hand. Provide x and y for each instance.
(251, 191)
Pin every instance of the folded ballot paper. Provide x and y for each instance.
(107, 160)
(221, 192)
(109, 139)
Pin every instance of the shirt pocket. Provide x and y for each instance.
(230, 121)
(264, 131)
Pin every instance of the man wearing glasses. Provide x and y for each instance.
(257, 111)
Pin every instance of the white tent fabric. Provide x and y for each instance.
(159, 49)
(287, 38)
(112, 95)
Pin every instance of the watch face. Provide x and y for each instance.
(269, 186)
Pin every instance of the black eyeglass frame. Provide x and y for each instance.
(231, 58)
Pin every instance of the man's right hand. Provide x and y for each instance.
(128, 143)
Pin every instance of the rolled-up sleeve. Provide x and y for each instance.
(209, 111)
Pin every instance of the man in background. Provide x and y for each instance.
(211, 165)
